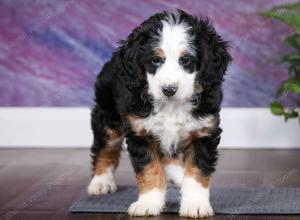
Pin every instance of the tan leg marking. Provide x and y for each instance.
(191, 170)
(152, 186)
(110, 154)
(152, 175)
(107, 158)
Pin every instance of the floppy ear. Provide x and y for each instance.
(131, 54)
(132, 49)
(213, 54)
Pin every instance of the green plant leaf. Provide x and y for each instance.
(284, 88)
(285, 16)
(289, 14)
(293, 41)
(294, 69)
(292, 58)
(291, 114)
(277, 108)
(295, 86)
(291, 6)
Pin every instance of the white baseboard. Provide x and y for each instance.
(70, 127)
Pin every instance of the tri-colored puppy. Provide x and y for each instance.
(161, 94)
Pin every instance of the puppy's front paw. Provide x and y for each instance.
(194, 199)
(141, 208)
(102, 184)
(196, 210)
(149, 204)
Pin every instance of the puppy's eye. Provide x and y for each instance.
(185, 60)
(156, 61)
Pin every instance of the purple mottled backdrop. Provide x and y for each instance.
(51, 51)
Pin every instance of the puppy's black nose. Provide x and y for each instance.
(169, 90)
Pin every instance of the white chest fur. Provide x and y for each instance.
(171, 123)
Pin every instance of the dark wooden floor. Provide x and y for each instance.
(43, 183)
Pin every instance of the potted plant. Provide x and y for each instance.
(289, 14)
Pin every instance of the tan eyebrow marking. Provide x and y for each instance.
(160, 53)
(198, 87)
(183, 53)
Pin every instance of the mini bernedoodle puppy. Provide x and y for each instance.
(159, 96)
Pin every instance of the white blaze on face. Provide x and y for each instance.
(174, 41)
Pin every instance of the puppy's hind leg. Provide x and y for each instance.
(105, 159)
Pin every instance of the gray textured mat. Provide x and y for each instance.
(224, 201)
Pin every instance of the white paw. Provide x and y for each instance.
(148, 204)
(102, 184)
(198, 210)
(194, 199)
(140, 208)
